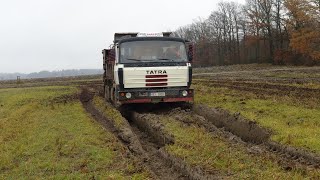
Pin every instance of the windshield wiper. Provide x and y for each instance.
(165, 59)
(140, 60)
(132, 59)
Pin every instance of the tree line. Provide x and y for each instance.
(259, 31)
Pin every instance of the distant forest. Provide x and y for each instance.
(48, 74)
(260, 31)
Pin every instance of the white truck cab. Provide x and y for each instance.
(148, 68)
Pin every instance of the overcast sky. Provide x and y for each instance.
(40, 35)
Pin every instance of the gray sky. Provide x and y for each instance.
(40, 35)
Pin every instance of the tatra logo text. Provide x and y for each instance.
(156, 72)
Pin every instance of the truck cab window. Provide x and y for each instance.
(154, 51)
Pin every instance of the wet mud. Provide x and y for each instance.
(145, 138)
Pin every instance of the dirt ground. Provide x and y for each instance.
(146, 136)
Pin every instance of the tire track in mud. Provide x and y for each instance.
(125, 135)
(147, 126)
(234, 128)
(253, 134)
(238, 130)
(145, 140)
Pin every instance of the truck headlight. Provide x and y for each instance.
(128, 95)
(184, 93)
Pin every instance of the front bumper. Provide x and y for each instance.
(156, 95)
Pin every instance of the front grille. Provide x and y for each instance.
(156, 80)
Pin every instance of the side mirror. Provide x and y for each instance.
(190, 51)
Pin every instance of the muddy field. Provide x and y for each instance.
(146, 137)
(198, 141)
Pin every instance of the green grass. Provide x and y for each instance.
(214, 154)
(43, 139)
(291, 123)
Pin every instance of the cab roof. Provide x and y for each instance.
(124, 35)
(151, 39)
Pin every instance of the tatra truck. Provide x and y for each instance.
(147, 68)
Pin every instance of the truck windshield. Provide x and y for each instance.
(152, 51)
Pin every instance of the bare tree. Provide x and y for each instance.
(254, 23)
(259, 31)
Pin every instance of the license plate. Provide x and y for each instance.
(157, 94)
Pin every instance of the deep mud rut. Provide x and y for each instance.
(146, 138)
(238, 130)
(255, 136)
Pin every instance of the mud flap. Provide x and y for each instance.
(114, 100)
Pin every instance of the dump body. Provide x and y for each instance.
(148, 68)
